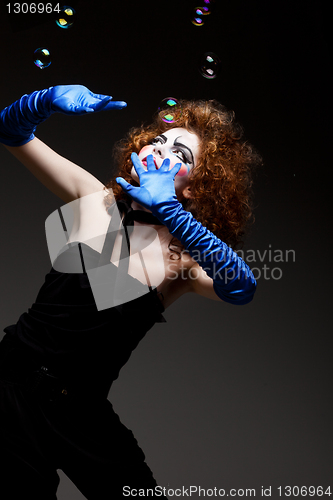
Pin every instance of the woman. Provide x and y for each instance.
(58, 362)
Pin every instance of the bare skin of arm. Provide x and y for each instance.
(62, 177)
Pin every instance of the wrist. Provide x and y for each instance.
(167, 211)
(40, 105)
(18, 121)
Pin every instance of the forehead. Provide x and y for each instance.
(183, 135)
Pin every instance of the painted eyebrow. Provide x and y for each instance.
(183, 146)
(162, 137)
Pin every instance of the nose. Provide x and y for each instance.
(159, 149)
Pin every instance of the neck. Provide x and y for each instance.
(161, 229)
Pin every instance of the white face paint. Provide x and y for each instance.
(180, 146)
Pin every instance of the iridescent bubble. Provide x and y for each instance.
(206, 11)
(42, 58)
(210, 65)
(196, 18)
(197, 21)
(169, 110)
(202, 11)
(209, 5)
(66, 17)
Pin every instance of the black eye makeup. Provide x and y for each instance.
(156, 140)
(186, 148)
(184, 151)
(181, 155)
(160, 138)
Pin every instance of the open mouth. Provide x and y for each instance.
(144, 162)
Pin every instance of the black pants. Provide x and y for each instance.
(40, 433)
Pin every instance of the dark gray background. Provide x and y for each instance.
(225, 396)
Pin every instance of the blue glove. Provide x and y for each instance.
(233, 280)
(18, 121)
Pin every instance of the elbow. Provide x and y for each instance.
(238, 296)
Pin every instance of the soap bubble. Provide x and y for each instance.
(202, 11)
(199, 12)
(169, 110)
(196, 19)
(209, 6)
(42, 58)
(66, 17)
(210, 65)
(206, 10)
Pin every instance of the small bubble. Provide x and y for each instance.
(42, 58)
(197, 21)
(210, 65)
(66, 17)
(209, 6)
(169, 110)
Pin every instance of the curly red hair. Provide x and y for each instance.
(220, 182)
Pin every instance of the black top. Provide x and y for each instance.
(75, 339)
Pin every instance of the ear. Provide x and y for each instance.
(187, 193)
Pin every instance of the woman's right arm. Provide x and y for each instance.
(18, 123)
(61, 176)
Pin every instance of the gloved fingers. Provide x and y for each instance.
(174, 171)
(137, 164)
(70, 99)
(68, 106)
(115, 105)
(150, 163)
(165, 165)
(128, 188)
(100, 104)
(104, 102)
(100, 97)
(82, 109)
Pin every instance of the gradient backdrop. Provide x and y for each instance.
(219, 396)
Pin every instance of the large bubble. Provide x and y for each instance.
(42, 58)
(197, 19)
(210, 65)
(170, 110)
(66, 17)
(202, 11)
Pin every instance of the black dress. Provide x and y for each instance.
(57, 365)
